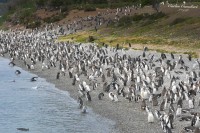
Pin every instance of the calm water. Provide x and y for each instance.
(44, 109)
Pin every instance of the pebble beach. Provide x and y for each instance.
(127, 114)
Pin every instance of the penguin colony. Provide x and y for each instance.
(165, 87)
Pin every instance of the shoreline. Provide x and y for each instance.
(123, 114)
(128, 117)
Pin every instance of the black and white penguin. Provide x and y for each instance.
(195, 120)
(103, 78)
(178, 110)
(143, 104)
(158, 114)
(17, 72)
(162, 105)
(191, 103)
(28, 66)
(150, 117)
(189, 57)
(154, 101)
(84, 109)
(70, 75)
(88, 97)
(113, 97)
(11, 64)
(74, 81)
(101, 95)
(34, 79)
(58, 75)
(80, 101)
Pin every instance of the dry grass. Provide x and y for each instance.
(158, 44)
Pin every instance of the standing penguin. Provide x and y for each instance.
(74, 81)
(80, 101)
(103, 78)
(100, 96)
(58, 75)
(143, 104)
(178, 111)
(195, 120)
(191, 103)
(150, 115)
(155, 101)
(88, 97)
(162, 105)
(84, 110)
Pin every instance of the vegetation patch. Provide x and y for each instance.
(178, 21)
(55, 18)
(129, 20)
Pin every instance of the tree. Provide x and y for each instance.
(155, 3)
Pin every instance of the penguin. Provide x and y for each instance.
(143, 104)
(103, 78)
(84, 109)
(80, 101)
(87, 88)
(58, 75)
(70, 75)
(32, 67)
(113, 97)
(162, 105)
(195, 120)
(155, 101)
(191, 103)
(33, 79)
(23, 129)
(158, 114)
(101, 95)
(11, 64)
(172, 55)
(106, 87)
(88, 97)
(178, 110)
(74, 81)
(180, 102)
(189, 57)
(28, 66)
(150, 117)
(17, 72)
(169, 121)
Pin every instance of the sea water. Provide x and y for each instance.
(42, 108)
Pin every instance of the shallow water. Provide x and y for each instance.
(41, 107)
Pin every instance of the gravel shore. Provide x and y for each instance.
(128, 116)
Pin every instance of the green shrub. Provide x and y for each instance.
(34, 24)
(156, 16)
(125, 21)
(178, 21)
(91, 39)
(149, 19)
(55, 18)
(89, 8)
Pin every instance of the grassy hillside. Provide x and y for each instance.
(168, 31)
